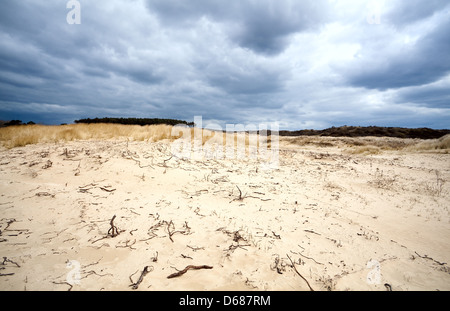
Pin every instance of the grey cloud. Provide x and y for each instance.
(423, 62)
(262, 26)
(402, 13)
(432, 96)
(258, 81)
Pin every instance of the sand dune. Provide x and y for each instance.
(346, 219)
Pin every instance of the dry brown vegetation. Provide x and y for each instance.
(17, 136)
(440, 144)
(374, 145)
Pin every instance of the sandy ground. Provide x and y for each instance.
(345, 222)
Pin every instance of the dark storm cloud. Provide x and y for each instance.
(262, 26)
(254, 80)
(433, 96)
(403, 65)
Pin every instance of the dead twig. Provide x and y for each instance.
(171, 229)
(64, 283)
(194, 248)
(106, 189)
(44, 194)
(127, 244)
(319, 263)
(5, 259)
(179, 273)
(279, 265)
(310, 231)
(165, 165)
(77, 170)
(113, 230)
(293, 266)
(141, 278)
(426, 257)
(233, 247)
(240, 194)
(277, 236)
(242, 197)
(6, 274)
(48, 165)
(155, 258)
(130, 156)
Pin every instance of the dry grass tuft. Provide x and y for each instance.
(374, 145)
(22, 135)
(17, 136)
(365, 150)
(437, 145)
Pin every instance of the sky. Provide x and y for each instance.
(301, 64)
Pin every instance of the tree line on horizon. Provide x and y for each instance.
(378, 131)
(135, 121)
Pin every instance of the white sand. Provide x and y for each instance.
(339, 217)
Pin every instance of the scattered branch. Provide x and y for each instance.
(171, 229)
(426, 257)
(47, 165)
(6, 274)
(197, 212)
(240, 194)
(310, 231)
(319, 263)
(106, 189)
(165, 165)
(77, 170)
(155, 258)
(141, 278)
(293, 266)
(113, 230)
(130, 156)
(242, 197)
(179, 273)
(64, 283)
(236, 235)
(44, 194)
(127, 245)
(279, 265)
(277, 236)
(8, 223)
(5, 259)
(194, 248)
(233, 247)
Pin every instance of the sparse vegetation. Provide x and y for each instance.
(21, 135)
(435, 188)
(374, 145)
(440, 144)
(382, 180)
(17, 136)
